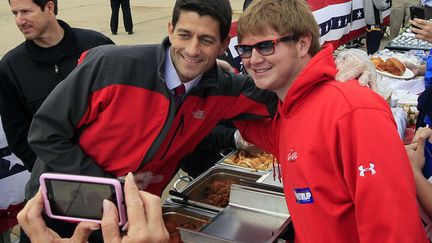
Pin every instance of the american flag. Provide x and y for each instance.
(340, 21)
(13, 178)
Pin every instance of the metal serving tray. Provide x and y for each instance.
(181, 214)
(176, 215)
(196, 191)
(407, 41)
(253, 215)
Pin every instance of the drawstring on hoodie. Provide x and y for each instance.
(276, 162)
(278, 169)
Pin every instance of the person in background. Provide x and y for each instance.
(424, 101)
(144, 212)
(340, 186)
(427, 4)
(374, 19)
(30, 71)
(423, 30)
(416, 155)
(127, 16)
(400, 15)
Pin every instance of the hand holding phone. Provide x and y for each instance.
(31, 221)
(80, 198)
(144, 211)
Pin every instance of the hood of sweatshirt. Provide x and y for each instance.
(321, 68)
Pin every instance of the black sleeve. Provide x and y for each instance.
(16, 120)
(207, 152)
(221, 137)
(424, 105)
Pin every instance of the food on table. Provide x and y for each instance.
(218, 192)
(174, 232)
(391, 65)
(258, 161)
(376, 60)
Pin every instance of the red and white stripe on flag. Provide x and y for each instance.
(340, 21)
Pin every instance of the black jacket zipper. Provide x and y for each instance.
(57, 72)
(179, 128)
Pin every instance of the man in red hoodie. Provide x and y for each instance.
(346, 175)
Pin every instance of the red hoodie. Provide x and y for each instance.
(346, 174)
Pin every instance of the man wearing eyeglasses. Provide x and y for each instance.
(346, 174)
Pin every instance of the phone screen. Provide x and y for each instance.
(77, 198)
(417, 12)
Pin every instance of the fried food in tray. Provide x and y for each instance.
(218, 192)
(257, 161)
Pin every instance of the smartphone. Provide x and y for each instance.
(78, 198)
(417, 12)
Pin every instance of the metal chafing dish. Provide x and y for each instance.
(176, 216)
(253, 215)
(196, 192)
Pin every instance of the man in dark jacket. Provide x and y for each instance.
(30, 71)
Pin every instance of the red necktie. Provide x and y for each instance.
(179, 93)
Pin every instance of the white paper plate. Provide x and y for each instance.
(407, 75)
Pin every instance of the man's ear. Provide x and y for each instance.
(224, 45)
(303, 45)
(170, 32)
(49, 6)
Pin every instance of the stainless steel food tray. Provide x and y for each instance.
(196, 190)
(176, 216)
(181, 214)
(253, 215)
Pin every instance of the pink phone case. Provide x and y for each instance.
(90, 179)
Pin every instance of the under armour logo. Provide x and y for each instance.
(292, 155)
(199, 114)
(370, 169)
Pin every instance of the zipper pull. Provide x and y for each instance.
(57, 72)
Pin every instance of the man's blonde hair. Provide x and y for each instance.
(284, 16)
